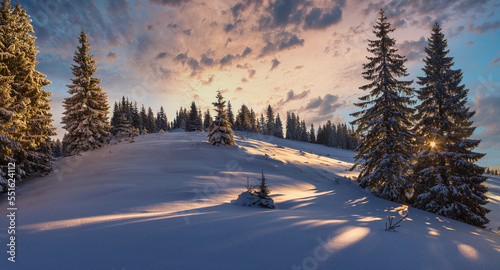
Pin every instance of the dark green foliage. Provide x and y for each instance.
(386, 151)
(447, 181)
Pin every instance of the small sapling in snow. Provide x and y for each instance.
(392, 227)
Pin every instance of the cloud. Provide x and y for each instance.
(228, 27)
(251, 73)
(161, 55)
(483, 28)
(276, 63)
(172, 3)
(206, 60)
(208, 81)
(495, 61)
(487, 110)
(325, 106)
(226, 60)
(290, 96)
(246, 52)
(413, 50)
(317, 19)
(282, 41)
(181, 56)
(194, 65)
(112, 56)
(426, 12)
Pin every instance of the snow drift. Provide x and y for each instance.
(163, 202)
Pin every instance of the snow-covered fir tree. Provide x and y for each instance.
(278, 127)
(57, 149)
(85, 111)
(161, 120)
(207, 120)
(151, 122)
(26, 103)
(269, 130)
(193, 123)
(448, 182)
(312, 134)
(385, 155)
(230, 115)
(9, 119)
(220, 132)
(243, 119)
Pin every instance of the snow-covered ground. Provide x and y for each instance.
(164, 202)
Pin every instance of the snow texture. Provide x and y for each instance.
(163, 202)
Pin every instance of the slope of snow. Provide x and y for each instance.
(163, 202)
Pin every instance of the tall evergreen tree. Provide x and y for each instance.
(243, 119)
(10, 121)
(312, 135)
(144, 120)
(386, 152)
(447, 180)
(230, 115)
(151, 121)
(27, 102)
(207, 120)
(220, 132)
(193, 121)
(161, 120)
(278, 127)
(269, 121)
(85, 111)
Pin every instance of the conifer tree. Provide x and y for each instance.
(144, 120)
(161, 120)
(57, 149)
(151, 121)
(448, 182)
(385, 154)
(220, 132)
(9, 119)
(28, 103)
(278, 127)
(230, 115)
(207, 120)
(193, 123)
(11, 107)
(312, 135)
(269, 121)
(85, 116)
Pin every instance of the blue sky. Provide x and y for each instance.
(297, 55)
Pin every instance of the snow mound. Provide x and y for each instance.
(250, 199)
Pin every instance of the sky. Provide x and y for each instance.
(296, 55)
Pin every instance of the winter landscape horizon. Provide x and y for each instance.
(270, 134)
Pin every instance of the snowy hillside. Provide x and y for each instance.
(163, 202)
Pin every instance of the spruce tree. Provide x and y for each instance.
(193, 123)
(151, 121)
(29, 103)
(220, 132)
(9, 119)
(161, 120)
(448, 182)
(85, 116)
(386, 152)
(269, 121)
(230, 115)
(207, 120)
(278, 127)
(312, 135)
